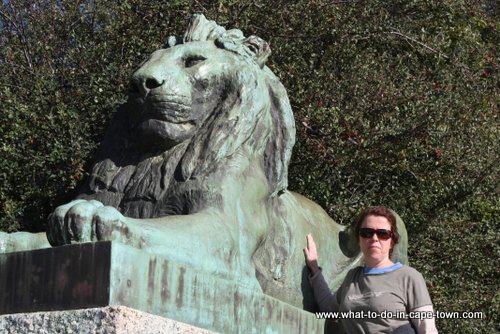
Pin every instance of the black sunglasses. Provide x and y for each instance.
(368, 233)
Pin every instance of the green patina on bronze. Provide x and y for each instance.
(98, 274)
(194, 169)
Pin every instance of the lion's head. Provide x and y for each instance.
(192, 106)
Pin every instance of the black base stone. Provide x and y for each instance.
(61, 278)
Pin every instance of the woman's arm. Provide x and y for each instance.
(326, 300)
(324, 297)
(427, 325)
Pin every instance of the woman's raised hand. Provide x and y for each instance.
(311, 254)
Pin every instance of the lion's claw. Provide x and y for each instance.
(108, 223)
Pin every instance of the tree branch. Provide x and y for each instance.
(408, 38)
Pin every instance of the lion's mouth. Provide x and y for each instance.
(170, 110)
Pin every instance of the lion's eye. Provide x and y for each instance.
(194, 60)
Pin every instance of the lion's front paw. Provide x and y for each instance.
(72, 221)
(82, 221)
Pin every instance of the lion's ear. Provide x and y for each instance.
(259, 47)
(173, 41)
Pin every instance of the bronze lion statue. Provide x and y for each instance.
(194, 168)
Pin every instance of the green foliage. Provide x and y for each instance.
(397, 118)
(396, 103)
(459, 257)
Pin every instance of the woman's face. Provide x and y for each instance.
(375, 250)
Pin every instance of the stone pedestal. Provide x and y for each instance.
(101, 320)
(96, 275)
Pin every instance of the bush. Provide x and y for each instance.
(459, 257)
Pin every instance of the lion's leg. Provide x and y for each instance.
(204, 241)
(211, 240)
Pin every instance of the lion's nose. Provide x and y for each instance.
(143, 85)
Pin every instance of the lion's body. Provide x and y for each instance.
(227, 165)
(194, 168)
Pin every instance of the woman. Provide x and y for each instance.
(383, 297)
